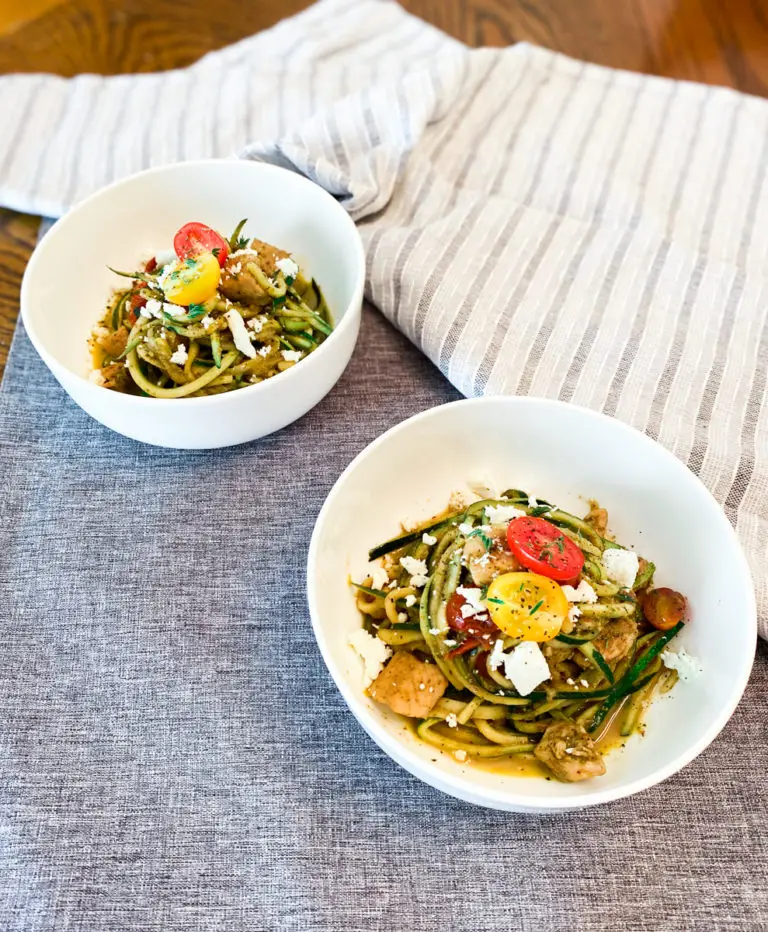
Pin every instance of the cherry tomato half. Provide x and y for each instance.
(473, 624)
(527, 605)
(544, 549)
(194, 238)
(663, 608)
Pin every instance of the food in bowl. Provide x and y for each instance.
(211, 316)
(512, 629)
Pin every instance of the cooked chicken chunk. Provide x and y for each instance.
(238, 284)
(485, 565)
(569, 753)
(408, 685)
(113, 344)
(267, 255)
(115, 376)
(617, 639)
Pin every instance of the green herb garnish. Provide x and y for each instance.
(496, 601)
(536, 607)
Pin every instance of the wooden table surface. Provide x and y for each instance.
(715, 41)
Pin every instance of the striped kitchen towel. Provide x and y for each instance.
(536, 225)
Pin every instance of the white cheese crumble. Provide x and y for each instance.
(372, 651)
(574, 613)
(428, 539)
(582, 593)
(502, 514)
(584, 683)
(526, 666)
(465, 528)
(410, 601)
(621, 566)
(239, 333)
(460, 755)
(688, 667)
(257, 323)
(451, 721)
(264, 351)
(173, 310)
(207, 321)
(153, 308)
(379, 576)
(417, 569)
(180, 356)
(288, 267)
(235, 269)
(290, 355)
(402, 617)
(472, 604)
(532, 503)
(497, 655)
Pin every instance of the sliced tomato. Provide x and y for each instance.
(479, 624)
(195, 238)
(150, 265)
(468, 645)
(543, 548)
(137, 301)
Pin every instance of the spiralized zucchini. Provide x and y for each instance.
(260, 321)
(481, 715)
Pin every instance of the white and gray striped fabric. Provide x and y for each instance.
(535, 225)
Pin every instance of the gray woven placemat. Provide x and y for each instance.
(174, 756)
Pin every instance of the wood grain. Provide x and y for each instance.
(715, 41)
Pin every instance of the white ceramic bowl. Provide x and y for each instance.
(67, 284)
(564, 454)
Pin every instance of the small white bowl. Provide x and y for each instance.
(67, 284)
(565, 454)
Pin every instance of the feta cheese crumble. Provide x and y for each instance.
(379, 576)
(410, 601)
(472, 604)
(264, 351)
(180, 356)
(688, 667)
(291, 355)
(402, 617)
(239, 333)
(256, 323)
(417, 569)
(526, 666)
(288, 267)
(153, 308)
(372, 651)
(466, 528)
(574, 613)
(502, 514)
(207, 321)
(621, 566)
(460, 755)
(451, 721)
(428, 539)
(582, 593)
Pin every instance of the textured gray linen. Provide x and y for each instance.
(173, 754)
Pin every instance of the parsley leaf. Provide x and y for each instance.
(536, 607)
(216, 251)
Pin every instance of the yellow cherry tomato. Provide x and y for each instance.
(527, 606)
(193, 280)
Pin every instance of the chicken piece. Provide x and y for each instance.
(238, 284)
(116, 377)
(408, 685)
(268, 255)
(485, 565)
(569, 753)
(559, 659)
(113, 343)
(617, 639)
(598, 518)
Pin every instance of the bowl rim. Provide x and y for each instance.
(458, 785)
(348, 319)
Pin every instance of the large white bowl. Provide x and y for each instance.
(67, 284)
(564, 454)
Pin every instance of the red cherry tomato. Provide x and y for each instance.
(150, 265)
(194, 238)
(480, 624)
(544, 549)
(664, 608)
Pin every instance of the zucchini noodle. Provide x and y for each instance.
(263, 317)
(605, 661)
